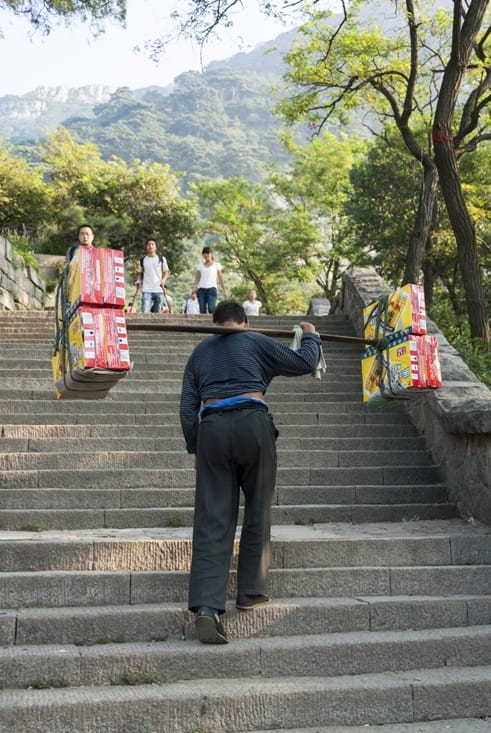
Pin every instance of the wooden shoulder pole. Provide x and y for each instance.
(273, 332)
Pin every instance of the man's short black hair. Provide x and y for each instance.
(85, 226)
(229, 310)
(207, 251)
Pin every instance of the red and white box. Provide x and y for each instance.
(113, 285)
(116, 340)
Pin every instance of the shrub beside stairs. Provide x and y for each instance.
(381, 613)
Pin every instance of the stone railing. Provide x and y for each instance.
(455, 420)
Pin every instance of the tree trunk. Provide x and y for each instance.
(423, 224)
(465, 236)
(428, 274)
(467, 21)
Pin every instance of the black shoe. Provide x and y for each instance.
(252, 600)
(209, 628)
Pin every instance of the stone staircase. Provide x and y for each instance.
(382, 596)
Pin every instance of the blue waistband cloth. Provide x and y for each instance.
(231, 402)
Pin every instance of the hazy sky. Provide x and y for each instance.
(73, 57)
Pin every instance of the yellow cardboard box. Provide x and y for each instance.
(403, 365)
(402, 310)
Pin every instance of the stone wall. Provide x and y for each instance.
(21, 287)
(455, 420)
(24, 288)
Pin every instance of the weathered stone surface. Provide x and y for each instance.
(20, 287)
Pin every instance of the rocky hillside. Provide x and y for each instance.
(24, 117)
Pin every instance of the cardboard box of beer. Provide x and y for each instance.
(408, 362)
(86, 338)
(402, 310)
(96, 277)
(116, 339)
(97, 338)
(84, 283)
(113, 285)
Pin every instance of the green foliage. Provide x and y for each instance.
(23, 247)
(48, 684)
(32, 527)
(213, 124)
(125, 202)
(477, 356)
(314, 189)
(475, 352)
(42, 14)
(415, 65)
(134, 678)
(380, 210)
(25, 198)
(175, 522)
(261, 240)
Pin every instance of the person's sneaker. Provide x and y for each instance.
(209, 628)
(253, 600)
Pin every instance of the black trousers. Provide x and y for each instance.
(236, 450)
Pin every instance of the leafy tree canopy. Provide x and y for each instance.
(126, 202)
(211, 125)
(43, 14)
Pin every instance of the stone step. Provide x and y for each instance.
(238, 705)
(319, 423)
(292, 547)
(302, 409)
(166, 661)
(283, 617)
(151, 444)
(145, 371)
(367, 619)
(93, 458)
(46, 319)
(181, 477)
(77, 498)
(16, 388)
(458, 725)
(164, 516)
(317, 433)
(90, 588)
(39, 357)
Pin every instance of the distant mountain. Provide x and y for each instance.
(215, 123)
(24, 117)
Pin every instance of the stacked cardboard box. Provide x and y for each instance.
(91, 350)
(407, 358)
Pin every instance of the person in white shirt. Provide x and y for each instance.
(252, 305)
(190, 307)
(205, 282)
(168, 302)
(153, 272)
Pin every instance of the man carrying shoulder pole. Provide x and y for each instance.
(227, 426)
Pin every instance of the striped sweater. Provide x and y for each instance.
(227, 365)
